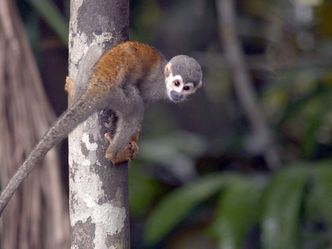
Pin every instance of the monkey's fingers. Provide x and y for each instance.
(109, 155)
(127, 154)
(135, 136)
(108, 136)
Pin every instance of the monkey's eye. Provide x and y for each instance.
(176, 82)
(186, 88)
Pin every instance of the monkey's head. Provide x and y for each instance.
(183, 76)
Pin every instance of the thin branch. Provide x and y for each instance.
(242, 82)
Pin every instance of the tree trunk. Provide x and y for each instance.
(98, 190)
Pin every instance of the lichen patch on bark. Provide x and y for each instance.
(89, 145)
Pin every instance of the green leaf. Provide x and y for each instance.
(293, 109)
(283, 200)
(174, 207)
(53, 17)
(238, 211)
(321, 192)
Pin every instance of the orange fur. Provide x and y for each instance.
(69, 86)
(114, 65)
(127, 154)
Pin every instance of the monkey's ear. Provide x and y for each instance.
(200, 84)
(168, 70)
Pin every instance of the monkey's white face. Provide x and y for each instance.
(177, 89)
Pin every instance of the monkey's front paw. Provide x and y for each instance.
(127, 154)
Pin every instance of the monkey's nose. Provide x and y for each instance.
(176, 96)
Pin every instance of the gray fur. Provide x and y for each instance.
(153, 88)
(188, 68)
(89, 60)
(129, 119)
(129, 103)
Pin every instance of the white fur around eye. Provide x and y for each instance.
(190, 90)
(177, 78)
(170, 82)
(190, 86)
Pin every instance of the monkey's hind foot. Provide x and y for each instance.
(69, 86)
(127, 154)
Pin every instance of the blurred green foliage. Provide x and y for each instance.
(195, 174)
(277, 204)
(53, 17)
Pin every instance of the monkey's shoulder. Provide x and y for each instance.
(129, 59)
(132, 54)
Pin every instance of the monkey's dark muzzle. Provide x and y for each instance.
(176, 97)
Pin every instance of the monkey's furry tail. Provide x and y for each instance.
(77, 113)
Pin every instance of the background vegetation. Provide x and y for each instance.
(202, 179)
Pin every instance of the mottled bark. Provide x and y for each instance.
(98, 190)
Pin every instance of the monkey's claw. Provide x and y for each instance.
(108, 136)
(127, 154)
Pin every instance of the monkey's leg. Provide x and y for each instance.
(130, 115)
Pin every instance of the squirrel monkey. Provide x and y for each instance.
(125, 79)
